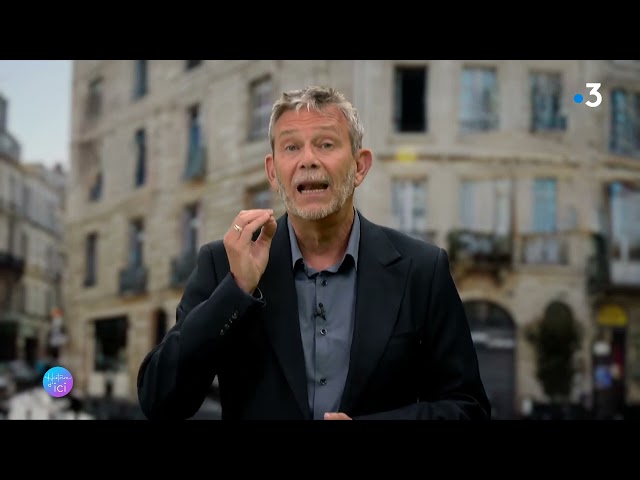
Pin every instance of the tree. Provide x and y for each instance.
(555, 338)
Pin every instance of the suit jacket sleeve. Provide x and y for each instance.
(175, 376)
(450, 384)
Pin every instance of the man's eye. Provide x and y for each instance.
(290, 148)
(327, 145)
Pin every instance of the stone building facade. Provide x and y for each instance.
(32, 201)
(529, 189)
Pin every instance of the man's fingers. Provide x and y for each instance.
(268, 231)
(245, 217)
(250, 228)
(336, 416)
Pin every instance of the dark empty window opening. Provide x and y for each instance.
(410, 101)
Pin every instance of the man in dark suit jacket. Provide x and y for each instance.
(320, 314)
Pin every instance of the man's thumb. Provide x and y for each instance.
(268, 231)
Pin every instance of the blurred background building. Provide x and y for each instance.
(32, 199)
(535, 196)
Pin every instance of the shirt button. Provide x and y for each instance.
(323, 381)
(323, 282)
(323, 331)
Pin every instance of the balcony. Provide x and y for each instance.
(181, 268)
(543, 248)
(472, 251)
(196, 167)
(133, 280)
(565, 253)
(611, 269)
(9, 207)
(479, 247)
(15, 308)
(12, 264)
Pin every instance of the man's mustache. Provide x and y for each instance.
(311, 178)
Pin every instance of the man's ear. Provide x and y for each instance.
(270, 169)
(364, 160)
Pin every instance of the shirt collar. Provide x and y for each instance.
(352, 246)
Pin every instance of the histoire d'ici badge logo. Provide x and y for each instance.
(57, 382)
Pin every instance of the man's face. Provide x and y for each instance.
(313, 167)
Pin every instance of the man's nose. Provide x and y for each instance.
(309, 159)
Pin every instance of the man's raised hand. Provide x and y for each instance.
(247, 258)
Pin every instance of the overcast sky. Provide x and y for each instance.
(39, 117)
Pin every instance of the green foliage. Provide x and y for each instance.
(556, 337)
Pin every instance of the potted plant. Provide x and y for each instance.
(555, 338)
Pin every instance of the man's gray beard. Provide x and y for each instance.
(346, 189)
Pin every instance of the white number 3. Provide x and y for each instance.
(594, 91)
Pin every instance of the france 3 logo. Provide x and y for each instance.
(578, 97)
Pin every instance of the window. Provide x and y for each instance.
(196, 160)
(190, 227)
(478, 100)
(624, 239)
(94, 98)
(26, 202)
(111, 345)
(51, 217)
(91, 260)
(409, 206)
(544, 245)
(485, 206)
(50, 260)
(546, 96)
(13, 190)
(191, 64)
(260, 98)
(141, 157)
(20, 299)
(624, 208)
(24, 246)
(410, 99)
(544, 205)
(49, 300)
(259, 197)
(95, 190)
(625, 123)
(136, 243)
(140, 79)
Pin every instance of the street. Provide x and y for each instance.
(36, 404)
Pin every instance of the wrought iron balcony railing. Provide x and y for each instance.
(181, 268)
(11, 263)
(480, 249)
(133, 280)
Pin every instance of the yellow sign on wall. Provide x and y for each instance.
(406, 154)
(612, 316)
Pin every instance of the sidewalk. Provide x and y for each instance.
(36, 404)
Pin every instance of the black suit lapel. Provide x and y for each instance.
(281, 314)
(382, 275)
